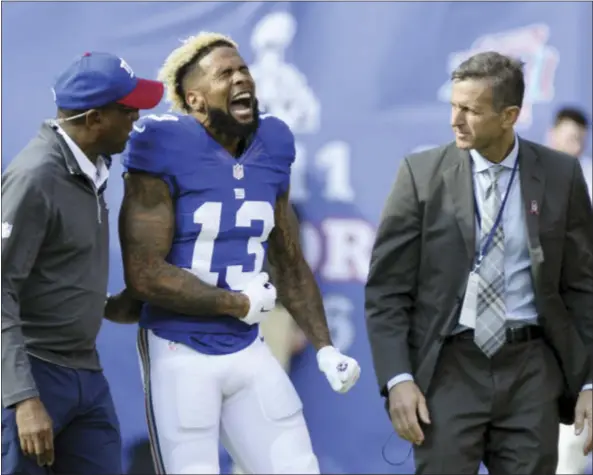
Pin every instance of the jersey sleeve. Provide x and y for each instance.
(145, 151)
(284, 150)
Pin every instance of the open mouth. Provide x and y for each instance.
(241, 106)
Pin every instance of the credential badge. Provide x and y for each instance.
(238, 171)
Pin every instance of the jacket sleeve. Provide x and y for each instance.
(25, 217)
(391, 286)
(577, 264)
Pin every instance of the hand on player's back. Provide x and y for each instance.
(262, 298)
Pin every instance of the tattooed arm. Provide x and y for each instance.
(297, 289)
(146, 225)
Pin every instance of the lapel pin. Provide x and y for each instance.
(534, 208)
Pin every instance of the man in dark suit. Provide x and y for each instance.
(480, 292)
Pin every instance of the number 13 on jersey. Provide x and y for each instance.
(209, 216)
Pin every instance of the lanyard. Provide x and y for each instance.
(490, 236)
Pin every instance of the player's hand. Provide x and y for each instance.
(341, 371)
(262, 298)
(35, 430)
(583, 419)
(406, 404)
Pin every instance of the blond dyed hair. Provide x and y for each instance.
(179, 58)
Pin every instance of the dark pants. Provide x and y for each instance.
(501, 410)
(86, 428)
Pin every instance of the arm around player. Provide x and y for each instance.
(123, 308)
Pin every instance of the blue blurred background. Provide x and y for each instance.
(361, 85)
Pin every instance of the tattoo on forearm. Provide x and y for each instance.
(146, 226)
(294, 281)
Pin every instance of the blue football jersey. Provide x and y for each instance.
(224, 212)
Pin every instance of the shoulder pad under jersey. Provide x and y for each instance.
(158, 142)
(278, 139)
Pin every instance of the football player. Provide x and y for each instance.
(206, 201)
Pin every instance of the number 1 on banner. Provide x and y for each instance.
(334, 160)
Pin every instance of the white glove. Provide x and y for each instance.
(341, 371)
(262, 298)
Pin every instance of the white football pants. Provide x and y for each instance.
(570, 451)
(244, 398)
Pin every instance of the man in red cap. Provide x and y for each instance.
(56, 403)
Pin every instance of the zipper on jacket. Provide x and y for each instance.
(95, 191)
(99, 220)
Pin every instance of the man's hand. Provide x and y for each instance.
(583, 415)
(262, 298)
(123, 308)
(35, 430)
(406, 403)
(341, 371)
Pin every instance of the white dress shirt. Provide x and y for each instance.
(98, 174)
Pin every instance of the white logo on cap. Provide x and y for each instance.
(126, 66)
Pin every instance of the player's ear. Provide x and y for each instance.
(195, 101)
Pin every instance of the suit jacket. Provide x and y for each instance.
(587, 166)
(425, 248)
